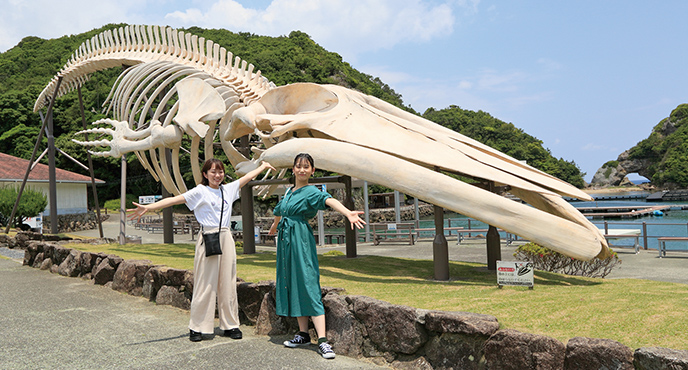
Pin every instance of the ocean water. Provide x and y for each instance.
(672, 223)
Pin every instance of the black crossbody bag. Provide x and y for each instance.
(212, 240)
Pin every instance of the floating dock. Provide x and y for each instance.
(627, 211)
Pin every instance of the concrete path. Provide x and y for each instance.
(49, 321)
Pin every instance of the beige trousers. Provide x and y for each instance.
(215, 276)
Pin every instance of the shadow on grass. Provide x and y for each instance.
(362, 269)
(392, 270)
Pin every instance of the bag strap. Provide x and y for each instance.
(222, 208)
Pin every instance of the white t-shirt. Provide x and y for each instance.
(205, 202)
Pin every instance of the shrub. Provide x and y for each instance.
(333, 253)
(113, 204)
(545, 259)
(31, 204)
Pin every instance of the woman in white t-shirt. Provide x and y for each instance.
(213, 275)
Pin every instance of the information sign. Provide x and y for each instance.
(515, 273)
(148, 199)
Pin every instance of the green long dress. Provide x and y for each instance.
(298, 274)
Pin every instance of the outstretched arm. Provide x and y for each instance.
(141, 209)
(252, 174)
(353, 216)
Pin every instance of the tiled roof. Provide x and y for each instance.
(14, 169)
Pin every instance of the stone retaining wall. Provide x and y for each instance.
(358, 326)
(75, 222)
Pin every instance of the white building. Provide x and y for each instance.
(72, 188)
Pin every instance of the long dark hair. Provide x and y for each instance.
(210, 163)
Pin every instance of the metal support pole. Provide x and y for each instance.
(440, 250)
(416, 211)
(247, 219)
(644, 235)
(167, 220)
(33, 156)
(397, 210)
(366, 210)
(52, 174)
(90, 167)
(123, 201)
(494, 250)
(349, 233)
(168, 212)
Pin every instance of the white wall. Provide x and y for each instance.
(71, 197)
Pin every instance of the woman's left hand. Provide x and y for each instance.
(355, 219)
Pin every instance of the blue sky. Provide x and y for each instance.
(588, 78)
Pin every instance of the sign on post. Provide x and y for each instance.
(515, 273)
(148, 199)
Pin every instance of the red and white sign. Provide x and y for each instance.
(517, 273)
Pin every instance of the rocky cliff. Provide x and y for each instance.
(662, 157)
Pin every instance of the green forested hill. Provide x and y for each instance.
(28, 67)
(664, 154)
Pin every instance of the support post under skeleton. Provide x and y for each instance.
(123, 202)
(167, 213)
(90, 167)
(349, 233)
(247, 219)
(52, 174)
(440, 249)
(33, 155)
(494, 252)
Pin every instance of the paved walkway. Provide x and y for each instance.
(50, 321)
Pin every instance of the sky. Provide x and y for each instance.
(590, 79)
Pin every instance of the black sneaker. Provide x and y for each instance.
(233, 333)
(325, 349)
(298, 341)
(195, 336)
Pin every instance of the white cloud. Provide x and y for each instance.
(50, 19)
(342, 26)
(592, 147)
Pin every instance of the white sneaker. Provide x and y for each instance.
(325, 350)
(298, 341)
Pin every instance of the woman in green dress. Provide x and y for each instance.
(298, 277)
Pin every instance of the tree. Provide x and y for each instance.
(32, 203)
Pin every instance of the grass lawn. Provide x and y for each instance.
(637, 313)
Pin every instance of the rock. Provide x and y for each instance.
(71, 266)
(592, 354)
(105, 270)
(455, 351)
(461, 322)
(88, 262)
(250, 297)
(158, 276)
(36, 261)
(171, 296)
(459, 344)
(268, 323)
(392, 328)
(343, 330)
(47, 264)
(513, 350)
(60, 253)
(655, 358)
(129, 276)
